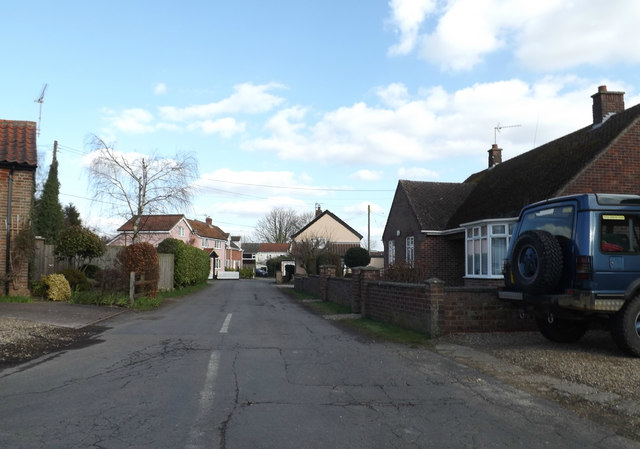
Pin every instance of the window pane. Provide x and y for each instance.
(498, 254)
(498, 229)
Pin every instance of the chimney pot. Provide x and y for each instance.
(605, 104)
(209, 221)
(495, 155)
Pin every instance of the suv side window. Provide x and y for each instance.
(556, 220)
(619, 233)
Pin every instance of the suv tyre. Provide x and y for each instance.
(562, 330)
(625, 328)
(537, 262)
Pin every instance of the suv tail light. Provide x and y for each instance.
(584, 268)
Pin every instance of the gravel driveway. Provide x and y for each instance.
(591, 377)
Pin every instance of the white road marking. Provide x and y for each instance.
(197, 437)
(225, 326)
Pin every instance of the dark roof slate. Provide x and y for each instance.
(433, 203)
(18, 143)
(538, 174)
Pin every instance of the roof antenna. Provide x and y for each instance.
(497, 129)
(40, 100)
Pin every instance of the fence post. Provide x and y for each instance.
(132, 287)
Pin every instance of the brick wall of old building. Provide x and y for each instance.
(21, 197)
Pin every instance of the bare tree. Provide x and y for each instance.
(142, 184)
(278, 225)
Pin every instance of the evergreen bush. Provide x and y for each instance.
(142, 258)
(57, 286)
(76, 278)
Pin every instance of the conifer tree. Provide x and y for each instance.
(49, 217)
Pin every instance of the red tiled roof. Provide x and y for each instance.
(206, 230)
(18, 143)
(274, 248)
(153, 223)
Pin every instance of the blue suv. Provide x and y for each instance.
(575, 260)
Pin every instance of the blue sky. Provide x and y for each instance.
(290, 103)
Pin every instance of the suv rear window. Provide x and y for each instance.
(557, 220)
(619, 233)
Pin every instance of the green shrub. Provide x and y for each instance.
(246, 273)
(190, 265)
(357, 257)
(92, 271)
(57, 287)
(76, 278)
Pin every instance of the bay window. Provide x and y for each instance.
(486, 248)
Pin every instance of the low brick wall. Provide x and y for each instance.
(431, 308)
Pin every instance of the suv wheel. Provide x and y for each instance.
(536, 262)
(562, 330)
(625, 328)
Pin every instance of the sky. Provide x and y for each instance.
(294, 104)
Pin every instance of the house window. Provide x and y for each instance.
(205, 243)
(217, 263)
(392, 252)
(410, 251)
(180, 231)
(486, 248)
(218, 244)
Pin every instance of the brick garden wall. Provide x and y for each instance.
(432, 308)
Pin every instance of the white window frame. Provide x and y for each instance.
(218, 244)
(410, 250)
(180, 231)
(391, 253)
(486, 244)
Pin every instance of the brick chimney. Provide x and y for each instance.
(606, 103)
(318, 209)
(209, 221)
(495, 155)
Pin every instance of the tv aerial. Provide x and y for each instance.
(497, 129)
(40, 100)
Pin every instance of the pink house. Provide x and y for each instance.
(204, 235)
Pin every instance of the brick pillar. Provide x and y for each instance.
(361, 277)
(435, 295)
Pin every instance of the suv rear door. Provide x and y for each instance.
(616, 261)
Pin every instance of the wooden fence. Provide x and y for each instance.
(46, 263)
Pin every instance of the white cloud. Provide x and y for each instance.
(417, 174)
(134, 120)
(226, 127)
(367, 175)
(406, 18)
(541, 35)
(159, 88)
(434, 124)
(247, 98)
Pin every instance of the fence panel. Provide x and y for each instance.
(166, 272)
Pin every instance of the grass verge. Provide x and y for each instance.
(365, 326)
(21, 299)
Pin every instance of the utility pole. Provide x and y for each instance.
(369, 227)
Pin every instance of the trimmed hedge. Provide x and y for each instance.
(191, 265)
(142, 258)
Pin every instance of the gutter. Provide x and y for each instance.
(8, 249)
(445, 232)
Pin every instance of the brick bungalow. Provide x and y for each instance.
(18, 162)
(459, 232)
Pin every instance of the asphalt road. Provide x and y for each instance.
(240, 365)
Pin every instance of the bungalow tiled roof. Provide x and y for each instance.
(501, 191)
(251, 248)
(152, 223)
(433, 203)
(18, 143)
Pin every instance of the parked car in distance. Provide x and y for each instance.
(262, 272)
(574, 261)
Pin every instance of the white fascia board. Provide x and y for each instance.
(489, 221)
(445, 232)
